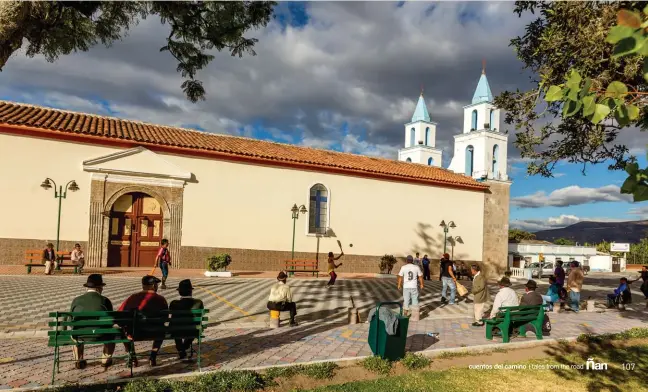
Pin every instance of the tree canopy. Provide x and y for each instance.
(563, 37)
(564, 241)
(55, 28)
(517, 235)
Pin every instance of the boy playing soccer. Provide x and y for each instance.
(163, 259)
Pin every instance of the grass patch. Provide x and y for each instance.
(632, 333)
(415, 361)
(455, 354)
(499, 350)
(377, 365)
(281, 372)
(319, 371)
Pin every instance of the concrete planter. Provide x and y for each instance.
(218, 274)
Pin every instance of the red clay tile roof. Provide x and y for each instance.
(137, 133)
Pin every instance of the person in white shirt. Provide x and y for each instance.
(417, 260)
(77, 257)
(281, 298)
(413, 276)
(506, 296)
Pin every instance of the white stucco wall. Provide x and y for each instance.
(483, 143)
(235, 205)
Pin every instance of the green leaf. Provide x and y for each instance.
(621, 115)
(640, 193)
(554, 94)
(589, 105)
(629, 45)
(616, 90)
(617, 33)
(571, 107)
(572, 94)
(600, 112)
(632, 168)
(633, 112)
(586, 87)
(645, 10)
(574, 80)
(629, 185)
(645, 69)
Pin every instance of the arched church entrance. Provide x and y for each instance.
(136, 229)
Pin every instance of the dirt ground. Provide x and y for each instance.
(353, 371)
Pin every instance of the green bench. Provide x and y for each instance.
(510, 317)
(94, 328)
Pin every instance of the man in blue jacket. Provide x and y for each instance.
(621, 294)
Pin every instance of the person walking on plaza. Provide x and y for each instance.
(417, 260)
(163, 259)
(413, 276)
(50, 260)
(149, 302)
(77, 257)
(644, 277)
(331, 268)
(559, 273)
(426, 267)
(531, 297)
(481, 296)
(186, 302)
(92, 301)
(281, 299)
(574, 286)
(506, 296)
(448, 279)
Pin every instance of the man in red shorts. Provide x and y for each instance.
(149, 302)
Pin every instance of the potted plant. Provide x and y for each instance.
(387, 263)
(486, 126)
(217, 265)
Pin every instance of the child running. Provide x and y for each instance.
(331, 268)
(163, 259)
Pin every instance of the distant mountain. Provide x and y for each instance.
(595, 232)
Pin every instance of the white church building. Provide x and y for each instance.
(128, 184)
(479, 152)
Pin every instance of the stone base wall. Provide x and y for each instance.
(13, 253)
(12, 250)
(496, 226)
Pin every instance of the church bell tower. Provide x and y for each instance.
(420, 138)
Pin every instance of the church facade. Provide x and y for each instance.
(122, 186)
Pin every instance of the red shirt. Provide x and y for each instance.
(164, 255)
(145, 301)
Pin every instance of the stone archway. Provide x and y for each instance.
(103, 195)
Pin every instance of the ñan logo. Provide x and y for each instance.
(591, 365)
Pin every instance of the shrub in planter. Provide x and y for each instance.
(218, 262)
(387, 263)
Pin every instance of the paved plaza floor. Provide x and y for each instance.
(238, 337)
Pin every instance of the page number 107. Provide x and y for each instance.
(629, 366)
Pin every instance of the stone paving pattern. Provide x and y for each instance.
(28, 362)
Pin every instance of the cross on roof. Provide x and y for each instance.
(484, 66)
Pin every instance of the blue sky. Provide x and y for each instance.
(335, 75)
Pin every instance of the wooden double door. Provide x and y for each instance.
(136, 229)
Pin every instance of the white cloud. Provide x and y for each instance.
(639, 212)
(571, 196)
(533, 225)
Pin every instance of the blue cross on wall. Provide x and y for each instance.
(318, 198)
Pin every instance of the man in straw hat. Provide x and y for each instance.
(186, 302)
(92, 301)
(281, 298)
(506, 296)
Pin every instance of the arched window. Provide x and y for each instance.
(495, 153)
(412, 137)
(427, 136)
(492, 119)
(469, 160)
(474, 119)
(430, 161)
(408, 160)
(318, 211)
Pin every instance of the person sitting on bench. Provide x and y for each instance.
(506, 296)
(531, 297)
(50, 260)
(281, 298)
(92, 301)
(186, 302)
(621, 294)
(553, 291)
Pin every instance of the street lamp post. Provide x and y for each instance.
(295, 215)
(446, 229)
(60, 194)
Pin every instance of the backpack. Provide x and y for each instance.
(546, 326)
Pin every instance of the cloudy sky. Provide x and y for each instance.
(336, 75)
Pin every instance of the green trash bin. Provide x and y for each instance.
(391, 347)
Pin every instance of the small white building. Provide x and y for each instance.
(604, 262)
(530, 251)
